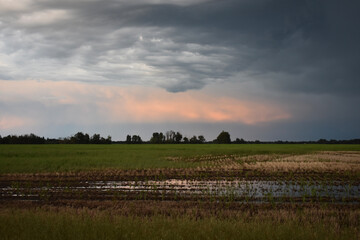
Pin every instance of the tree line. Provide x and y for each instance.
(169, 137)
(175, 137)
(78, 138)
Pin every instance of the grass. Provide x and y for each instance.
(89, 217)
(315, 162)
(65, 158)
(95, 224)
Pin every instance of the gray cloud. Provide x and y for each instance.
(300, 46)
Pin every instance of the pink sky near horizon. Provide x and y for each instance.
(91, 103)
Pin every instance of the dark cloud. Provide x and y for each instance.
(312, 45)
(301, 46)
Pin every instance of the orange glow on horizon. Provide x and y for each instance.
(117, 104)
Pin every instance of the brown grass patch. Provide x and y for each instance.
(317, 162)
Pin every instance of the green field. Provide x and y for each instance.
(65, 158)
(68, 191)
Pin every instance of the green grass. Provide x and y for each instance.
(80, 224)
(63, 158)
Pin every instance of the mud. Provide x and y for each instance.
(325, 177)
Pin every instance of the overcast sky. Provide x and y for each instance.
(260, 69)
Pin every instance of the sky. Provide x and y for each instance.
(260, 69)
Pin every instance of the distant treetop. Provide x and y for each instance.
(224, 137)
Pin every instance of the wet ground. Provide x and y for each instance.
(326, 177)
(259, 191)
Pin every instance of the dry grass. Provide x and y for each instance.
(70, 223)
(327, 161)
(333, 214)
(317, 162)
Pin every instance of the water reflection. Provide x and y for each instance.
(238, 188)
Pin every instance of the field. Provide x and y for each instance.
(205, 191)
(66, 158)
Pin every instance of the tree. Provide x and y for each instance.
(108, 140)
(128, 139)
(194, 139)
(224, 137)
(186, 140)
(157, 138)
(322, 141)
(240, 141)
(86, 138)
(95, 139)
(80, 138)
(161, 137)
(178, 137)
(133, 139)
(154, 138)
(201, 139)
(136, 139)
(170, 136)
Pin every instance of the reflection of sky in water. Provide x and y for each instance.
(256, 189)
(239, 190)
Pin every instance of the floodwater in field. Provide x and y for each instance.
(253, 189)
(236, 190)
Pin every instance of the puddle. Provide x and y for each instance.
(239, 190)
(257, 189)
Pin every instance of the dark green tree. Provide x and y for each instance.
(80, 138)
(136, 139)
(95, 139)
(201, 139)
(108, 140)
(224, 137)
(178, 137)
(240, 141)
(157, 138)
(170, 136)
(194, 139)
(128, 139)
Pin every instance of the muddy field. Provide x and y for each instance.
(324, 177)
(241, 196)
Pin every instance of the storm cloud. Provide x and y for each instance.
(181, 45)
(294, 54)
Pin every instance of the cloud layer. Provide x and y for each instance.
(301, 46)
